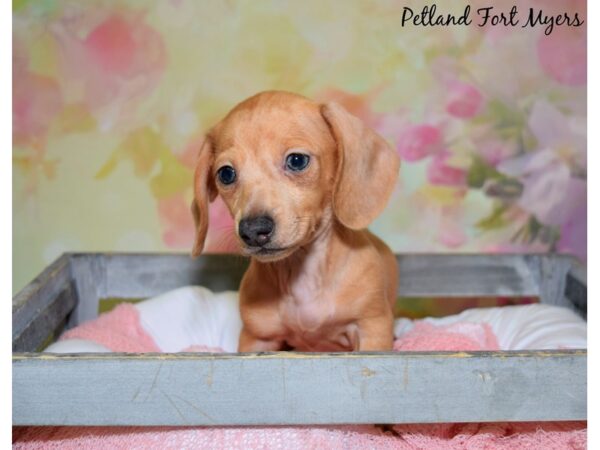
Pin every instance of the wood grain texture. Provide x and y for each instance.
(90, 279)
(576, 288)
(549, 273)
(143, 275)
(47, 321)
(466, 276)
(298, 388)
(40, 294)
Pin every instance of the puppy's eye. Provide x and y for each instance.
(297, 161)
(226, 175)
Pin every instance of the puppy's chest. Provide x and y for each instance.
(306, 312)
(309, 308)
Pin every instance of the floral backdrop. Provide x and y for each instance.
(110, 100)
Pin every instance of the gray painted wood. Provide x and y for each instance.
(550, 273)
(40, 294)
(466, 276)
(89, 275)
(144, 275)
(46, 322)
(578, 271)
(576, 288)
(295, 388)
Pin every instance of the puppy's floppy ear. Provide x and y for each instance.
(205, 191)
(367, 168)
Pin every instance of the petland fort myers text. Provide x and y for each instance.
(430, 15)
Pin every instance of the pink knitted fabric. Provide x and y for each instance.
(474, 436)
(121, 325)
(359, 437)
(494, 436)
(119, 330)
(462, 336)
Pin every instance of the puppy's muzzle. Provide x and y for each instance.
(256, 231)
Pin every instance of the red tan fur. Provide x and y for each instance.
(329, 284)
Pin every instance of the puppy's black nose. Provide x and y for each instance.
(256, 231)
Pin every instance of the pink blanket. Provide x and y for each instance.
(120, 331)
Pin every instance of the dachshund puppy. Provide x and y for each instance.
(302, 181)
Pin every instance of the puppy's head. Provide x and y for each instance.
(286, 167)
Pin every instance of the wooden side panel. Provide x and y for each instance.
(46, 322)
(144, 275)
(296, 388)
(550, 273)
(39, 295)
(561, 280)
(576, 288)
(466, 276)
(89, 274)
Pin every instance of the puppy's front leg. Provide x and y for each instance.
(250, 343)
(375, 334)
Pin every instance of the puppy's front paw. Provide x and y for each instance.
(376, 335)
(250, 344)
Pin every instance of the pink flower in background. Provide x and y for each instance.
(176, 221)
(112, 45)
(179, 229)
(573, 234)
(127, 53)
(450, 229)
(549, 191)
(493, 151)
(120, 60)
(388, 124)
(418, 141)
(440, 173)
(37, 101)
(563, 55)
(464, 100)
(452, 237)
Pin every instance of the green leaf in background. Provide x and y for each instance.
(41, 7)
(142, 147)
(480, 172)
(509, 121)
(509, 124)
(495, 220)
(108, 166)
(173, 177)
(146, 149)
(18, 4)
(534, 231)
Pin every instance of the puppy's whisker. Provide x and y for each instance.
(225, 241)
(228, 227)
